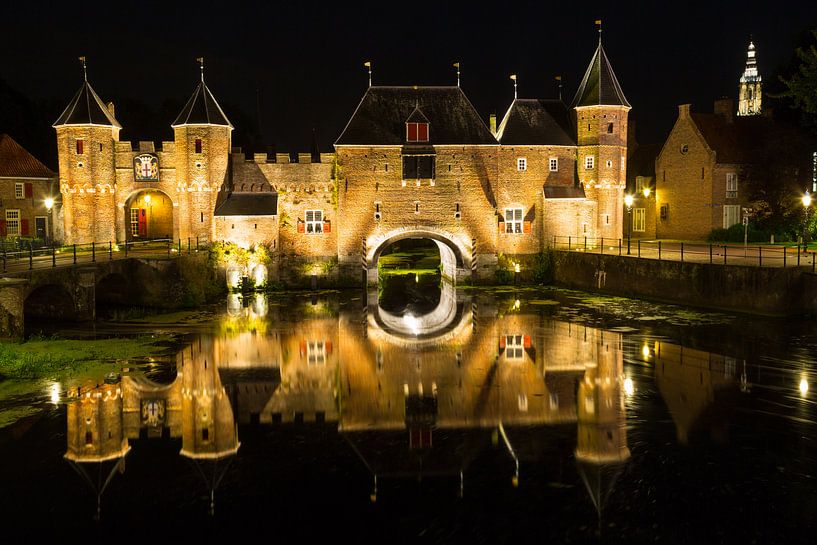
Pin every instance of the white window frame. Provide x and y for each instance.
(316, 353)
(514, 347)
(639, 219)
(731, 185)
(134, 222)
(314, 222)
(514, 219)
(19, 190)
(639, 184)
(553, 164)
(521, 164)
(590, 162)
(731, 212)
(13, 223)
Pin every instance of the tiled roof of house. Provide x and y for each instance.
(17, 162)
(382, 113)
(536, 122)
(86, 108)
(600, 85)
(732, 141)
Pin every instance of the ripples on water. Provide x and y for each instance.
(459, 416)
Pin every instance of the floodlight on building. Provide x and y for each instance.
(49, 203)
(147, 198)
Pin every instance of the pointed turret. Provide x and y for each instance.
(202, 109)
(750, 93)
(599, 85)
(86, 108)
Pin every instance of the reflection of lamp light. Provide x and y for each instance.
(629, 387)
(412, 323)
(516, 267)
(628, 201)
(55, 393)
(645, 351)
(803, 386)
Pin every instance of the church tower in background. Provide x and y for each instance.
(750, 94)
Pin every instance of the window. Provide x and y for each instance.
(80, 146)
(684, 149)
(416, 207)
(19, 191)
(609, 128)
(12, 223)
(316, 353)
(377, 213)
(522, 403)
(640, 184)
(664, 211)
(731, 215)
(457, 211)
(609, 164)
(514, 347)
(606, 219)
(314, 221)
(417, 167)
(731, 185)
(513, 220)
(417, 132)
(553, 401)
(521, 164)
(554, 164)
(639, 219)
(134, 222)
(589, 162)
(198, 145)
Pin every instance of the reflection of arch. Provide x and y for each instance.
(50, 301)
(148, 215)
(454, 254)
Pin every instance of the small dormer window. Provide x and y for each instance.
(416, 132)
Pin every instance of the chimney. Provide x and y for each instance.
(725, 107)
(111, 109)
(492, 123)
(683, 110)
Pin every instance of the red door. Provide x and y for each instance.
(143, 223)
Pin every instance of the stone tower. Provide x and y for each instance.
(750, 94)
(203, 136)
(86, 134)
(601, 125)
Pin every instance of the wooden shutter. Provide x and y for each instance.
(409, 167)
(29, 190)
(501, 226)
(327, 226)
(328, 346)
(302, 348)
(526, 341)
(502, 342)
(526, 227)
(3, 228)
(411, 132)
(24, 227)
(301, 226)
(422, 132)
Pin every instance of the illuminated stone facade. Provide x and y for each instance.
(413, 162)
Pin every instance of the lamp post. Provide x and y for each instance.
(49, 204)
(806, 205)
(628, 200)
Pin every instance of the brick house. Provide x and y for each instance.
(25, 186)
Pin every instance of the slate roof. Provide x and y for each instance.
(599, 85)
(536, 122)
(642, 162)
(563, 192)
(733, 142)
(86, 108)
(202, 109)
(17, 162)
(382, 113)
(248, 204)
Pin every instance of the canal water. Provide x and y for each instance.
(448, 416)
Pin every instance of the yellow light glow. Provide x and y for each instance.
(147, 198)
(55, 393)
(628, 200)
(416, 278)
(629, 387)
(647, 192)
(806, 200)
(49, 203)
(517, 304)
(516, 267)
(645, 351)
(803, 386)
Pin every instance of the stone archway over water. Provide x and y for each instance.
(455, 255)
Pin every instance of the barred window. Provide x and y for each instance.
(554, 164)
(314, 221)
(589, 162)
(19, 191)
(521, 164)
(513, 220)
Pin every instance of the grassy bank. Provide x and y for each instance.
(42, 357)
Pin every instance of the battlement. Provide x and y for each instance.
(280, 158)
(145, 147)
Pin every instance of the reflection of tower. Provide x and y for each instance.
(97, 445)
(601, 447)
(750, 94)
(86, 135)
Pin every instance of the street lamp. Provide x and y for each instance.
(806, 204)
(647, 192)
(628, 200)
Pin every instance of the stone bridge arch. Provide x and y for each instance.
(455, 252)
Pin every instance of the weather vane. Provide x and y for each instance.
(368, 65)
(513, 77)
(457, 66)
(84, 68)
(201, 64)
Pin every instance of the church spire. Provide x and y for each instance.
(750, 93)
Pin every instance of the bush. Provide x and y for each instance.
(544, 267)
(755, 234)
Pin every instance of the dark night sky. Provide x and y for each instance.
(305, 61)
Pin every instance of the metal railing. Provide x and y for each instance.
(757, 255)
(22, 258)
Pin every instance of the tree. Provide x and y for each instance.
(801, 86)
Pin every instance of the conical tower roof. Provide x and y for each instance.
(86, 108)
(599, 86)
(202, 109)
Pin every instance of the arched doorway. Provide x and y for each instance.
(149, 216)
